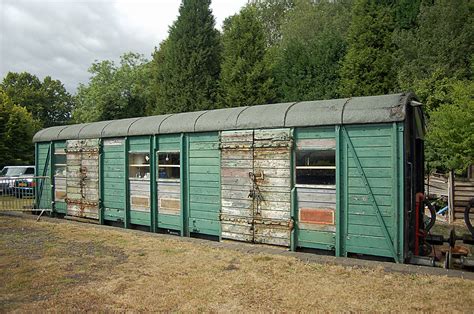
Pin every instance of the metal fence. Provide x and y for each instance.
(25, 194)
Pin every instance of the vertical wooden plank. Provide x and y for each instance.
(153, 200)
(339, 186)
(401, 191)
(345, 175)
(127, 188)
(183, 170)
(101, 182)
(293, 198)
(37, 173)
(51, 176)
(395, 174)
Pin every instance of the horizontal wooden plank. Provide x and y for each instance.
(364, 199)
(204, 191)
(316, 143)
(369, 210)
(373, 182)
(204, 137)
(372, 172)
(366, 241)
(316, 236)
(204, 214)
(207, 161)
(369, 220)
(204, 146)
(205, 207)
(314, 132)
(375, 231)
(204, 153)
(371, 162)
(204, 169)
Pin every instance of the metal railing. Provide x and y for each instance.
(25, 194)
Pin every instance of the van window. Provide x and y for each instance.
(30, 171)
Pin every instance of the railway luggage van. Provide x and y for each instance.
(336, 175)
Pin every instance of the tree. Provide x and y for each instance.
(115, 92)
(440, 46)
(450, 138)
(189, 73)
(17, 128)
(312, 47)
(245, 77)
(48, 101)
(272, 15)
(367, 68)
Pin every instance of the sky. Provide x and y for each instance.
(62, 38)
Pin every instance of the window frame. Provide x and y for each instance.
(319, 186)
(158, 166)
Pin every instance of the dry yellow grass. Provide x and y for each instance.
(64, 267)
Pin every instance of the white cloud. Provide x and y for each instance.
(62, 38)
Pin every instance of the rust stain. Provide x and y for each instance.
(322, 216)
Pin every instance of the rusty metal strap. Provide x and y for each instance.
(371, 197)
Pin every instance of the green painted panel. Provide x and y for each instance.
(376, 151)
(114, 154)
(61, 207)
(209, 161)
(316, 236)
(204, 190)
(214, 207)
(114, 214)
(315, 245)
(368, 250)
(206, 169)
(113, 148)
(204, 153)
(314, 133)
(140, 218)
(169, 221)
(205, 214)
(204, 183)
(167, 147)
(169, 138)
(366, 241)
(204, 146)
(369, 130)
(204, 177)
(139, 144)
(44, 169)
(375, 231)
(208, 199)
(211, 227)
(369, 220)
(113, 172)
(204, 137)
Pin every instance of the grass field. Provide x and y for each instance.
(76, 267)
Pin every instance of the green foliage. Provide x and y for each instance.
(17, 128)
(450, 138)
(245, 77)
(115, 91)
(272, 15)
(440, 46)
(48, 101)
(188, 71)
(313, 44)
(406, 13)
(367, 68)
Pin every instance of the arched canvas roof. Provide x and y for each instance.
(356, 110)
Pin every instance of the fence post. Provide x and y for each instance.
(451, 197)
